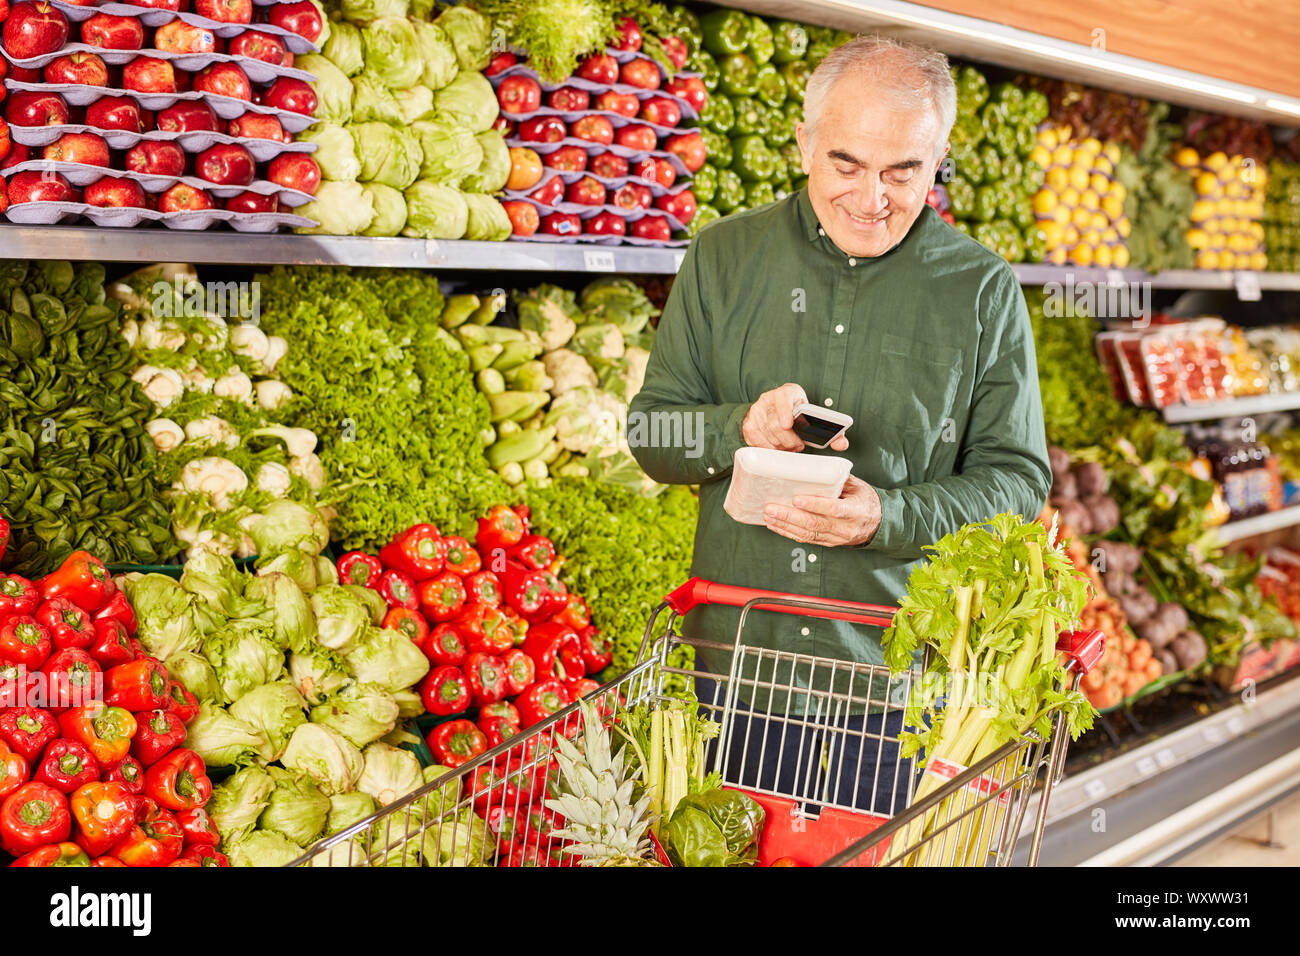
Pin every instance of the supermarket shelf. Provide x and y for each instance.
(1247, 284)
(1232, 408)
(1259, 524)
(154, 245)
(984, 40)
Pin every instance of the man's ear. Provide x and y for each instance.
(805, 147)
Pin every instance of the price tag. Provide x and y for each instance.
(1247, 285)
(1235, 726)
(677, 261)
(1146, 766)
(1095, 789)
(1115, 277)
(598, 260)
(431, 248)
(1212, 734)
(1165, 757)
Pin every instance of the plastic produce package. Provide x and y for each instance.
(763, 476)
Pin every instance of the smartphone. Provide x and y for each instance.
(818, 427)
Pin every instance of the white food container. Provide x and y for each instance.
(763, 476)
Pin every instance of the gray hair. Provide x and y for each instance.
(911, 73)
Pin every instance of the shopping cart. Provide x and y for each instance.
(815, 712)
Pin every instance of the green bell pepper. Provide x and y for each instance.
(1022, 214)
(1012, 246)
(993, 116)
(990, 164)
(1004, 138)
(730, 192)
(967, 164)
(972, 89)
(793, 157)
(962, 227)
(684, 20)
(841, 37)
(1026, 138)
(780, 129)
(759, 194)
(738, 75)
(1005, 197)
(798, 182)
(1036, 106)
(819, 34)
(960, 136)
(703, 63)
(771, 85)
(818, 50)
(1035, 241)
(796, 78)
(725, 32)
(761, 45)
(986, 204)
(961, 196)
(986, 234)
(752, 159)
(752, 117)
(1013, 170)
(704, 214)
(717, 147)
(791, 41)
(782, 189)
(704, 184)
(718, 114)
(793, 109)
(1011, 95)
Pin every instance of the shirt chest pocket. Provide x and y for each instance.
(917, 384)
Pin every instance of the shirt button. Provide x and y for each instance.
(803, 631)
(852, 261)
(812, 558)
(710, 471)
(821, 231)
(829, 403)
(839, 330)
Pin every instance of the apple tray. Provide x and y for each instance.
(153, 17)
(603, 240)
(617, 120)
(257, 71)
(631, 155)
(587, 212)
(577, 82)
(192, 141)
(49, 213)
(83, 174)
(226, 107)
(568, 177)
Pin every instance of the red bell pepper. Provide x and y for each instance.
(580, 687)
(19, 687)
(14, 771)
(4, 536)
(445, 645)
(456, 742)
(520, 671)
(497, 729)
(528, 854)
(442, 598)
(596, 652)
(502, 708)
(66, 765)
(540, 701)
(556, 596)
(525, 591)
(408, 622)
(127, 772)
(178, 781)
(487, 788)
(485, 629)
(82, 579)
(357, 567)
(575, 613)
(518, 626)
(69, 625)
(534, 551)
(398, 590)
(181, 702)
(198, 828)
(501, 529)
(55, 854)
(18, 596)
(136, 686)
(445, 691)
(206, 855)
(461, 558)
(503, 821)
(556, 651)
(72, 678)
(112, 644)
(106, 861)
(33, 815)
(418, 552)
(483, 587)
(23, 640)
(27, 731)
(155, 840)
(103, 814)
(184, 861)
(118, 609)
(487, 677)
(106, 730)
(159, 733)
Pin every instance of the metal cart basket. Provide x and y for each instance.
(812, 739)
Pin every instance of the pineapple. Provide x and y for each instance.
(604, 824)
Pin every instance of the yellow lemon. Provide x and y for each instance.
(1104, 165)
(1216, 160)
(1070, 197)
(1123, 226)
(1099, 184)
(1103, 257)
(1259, 261)
(1111, 152)
(1202, 210)
(1091, 237)
(1045, 200)
(1207, 259)
(1186, 158)
(1261, 178)
(1061, 214)
(1197, 238)
(1119, 259)
(1071, 235)
(1081, 255)
(1081, 217)
(1098, 221)
(1112, 207)
(1058, 255)
(1110, 235)
(1119, 190)
(1079, 177)
(1053, 232)
(1062, 155)
(1058, 177)
(1048, 138)
(1041, 154)
(1207, 184)
(1089, 200)
(1091, 145)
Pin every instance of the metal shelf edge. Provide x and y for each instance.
(1259, 524)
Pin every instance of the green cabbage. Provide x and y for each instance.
(324, 755)
(297, 809)
(214, 580)
(239, 800)
(284, 525)
(372, 9)
(292, 621)
(389, 155)
(347, 809)
(224, 741)
(362, 713)
(299, 567)
(196, 674)
(245, 655)
(390, 773)
(449, 153)
(372, 101)
(391, 52)
(317, 674)
(332, 86)
(336, 153)
(437, 53)
(263, 848)
(341, 618)
(371, 599)
(344, 48)
(470, 33)
(275, 710)
(326, 571)
(415, 103)
(463, 840)
(434, 211)
(487, 219)
(340, 209)
(468, 101)
(390, 210)
(164, 613)
(389, 659)
(494, 169)
(409, 704)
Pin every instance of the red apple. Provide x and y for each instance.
(661, 111)
(226, 164)
(302, 18)
(25, 74)
(500, 63)
(34, 29)
(689, 88)
(507, 126)
(78, 148)
(38, 186)
(640, 73)
(677, 51)
(225, 79)
(114, 33)
(567, 159)
(112, 191)
(624, 104)
(36, 108)
(5, 143)
(161, 4)
(632, 196)
(519, 94)
(549, 192)
(679, 205)
(629, 35)
(286, 93)
(258, 126)
(586, 191)
(594, 129)
(296, 171)
(605, 224)
(561, 224)
(18, 153)
(188, 115)
(569, 99)
(689, 148)
(183, 198)
(600, 68)
(523, 217)
(257, 45)
(4, 196)
(85, 69)
(542, 129)
(146, 74)
(115, 112)
(225, 11)
(656, 170)
(251, 202)
(160, 157)
(651, 227)
(638, 137)
(609, 166)
(181, 37)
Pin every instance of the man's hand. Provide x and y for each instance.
(851, 519)
(769, 423)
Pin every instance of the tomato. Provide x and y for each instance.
(500, 63)
(601, 68)
(784, 861)
(525, 168)
(631, 196)
(594, 129)
(524, 218)
(689, 88)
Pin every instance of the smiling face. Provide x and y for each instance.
(869, 165)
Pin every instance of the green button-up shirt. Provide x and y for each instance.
(928, 347)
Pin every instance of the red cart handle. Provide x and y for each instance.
(698, 591)
(1084, 648)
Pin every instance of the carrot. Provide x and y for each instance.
(1153, 669)
(1127, 643)
(1134, 683)
(1138, 657)
(1108, 696)
(1094, 680)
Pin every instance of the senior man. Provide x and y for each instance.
(854, 295)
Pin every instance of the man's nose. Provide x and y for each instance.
(870, 194)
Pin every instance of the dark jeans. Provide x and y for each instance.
(852, 761)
